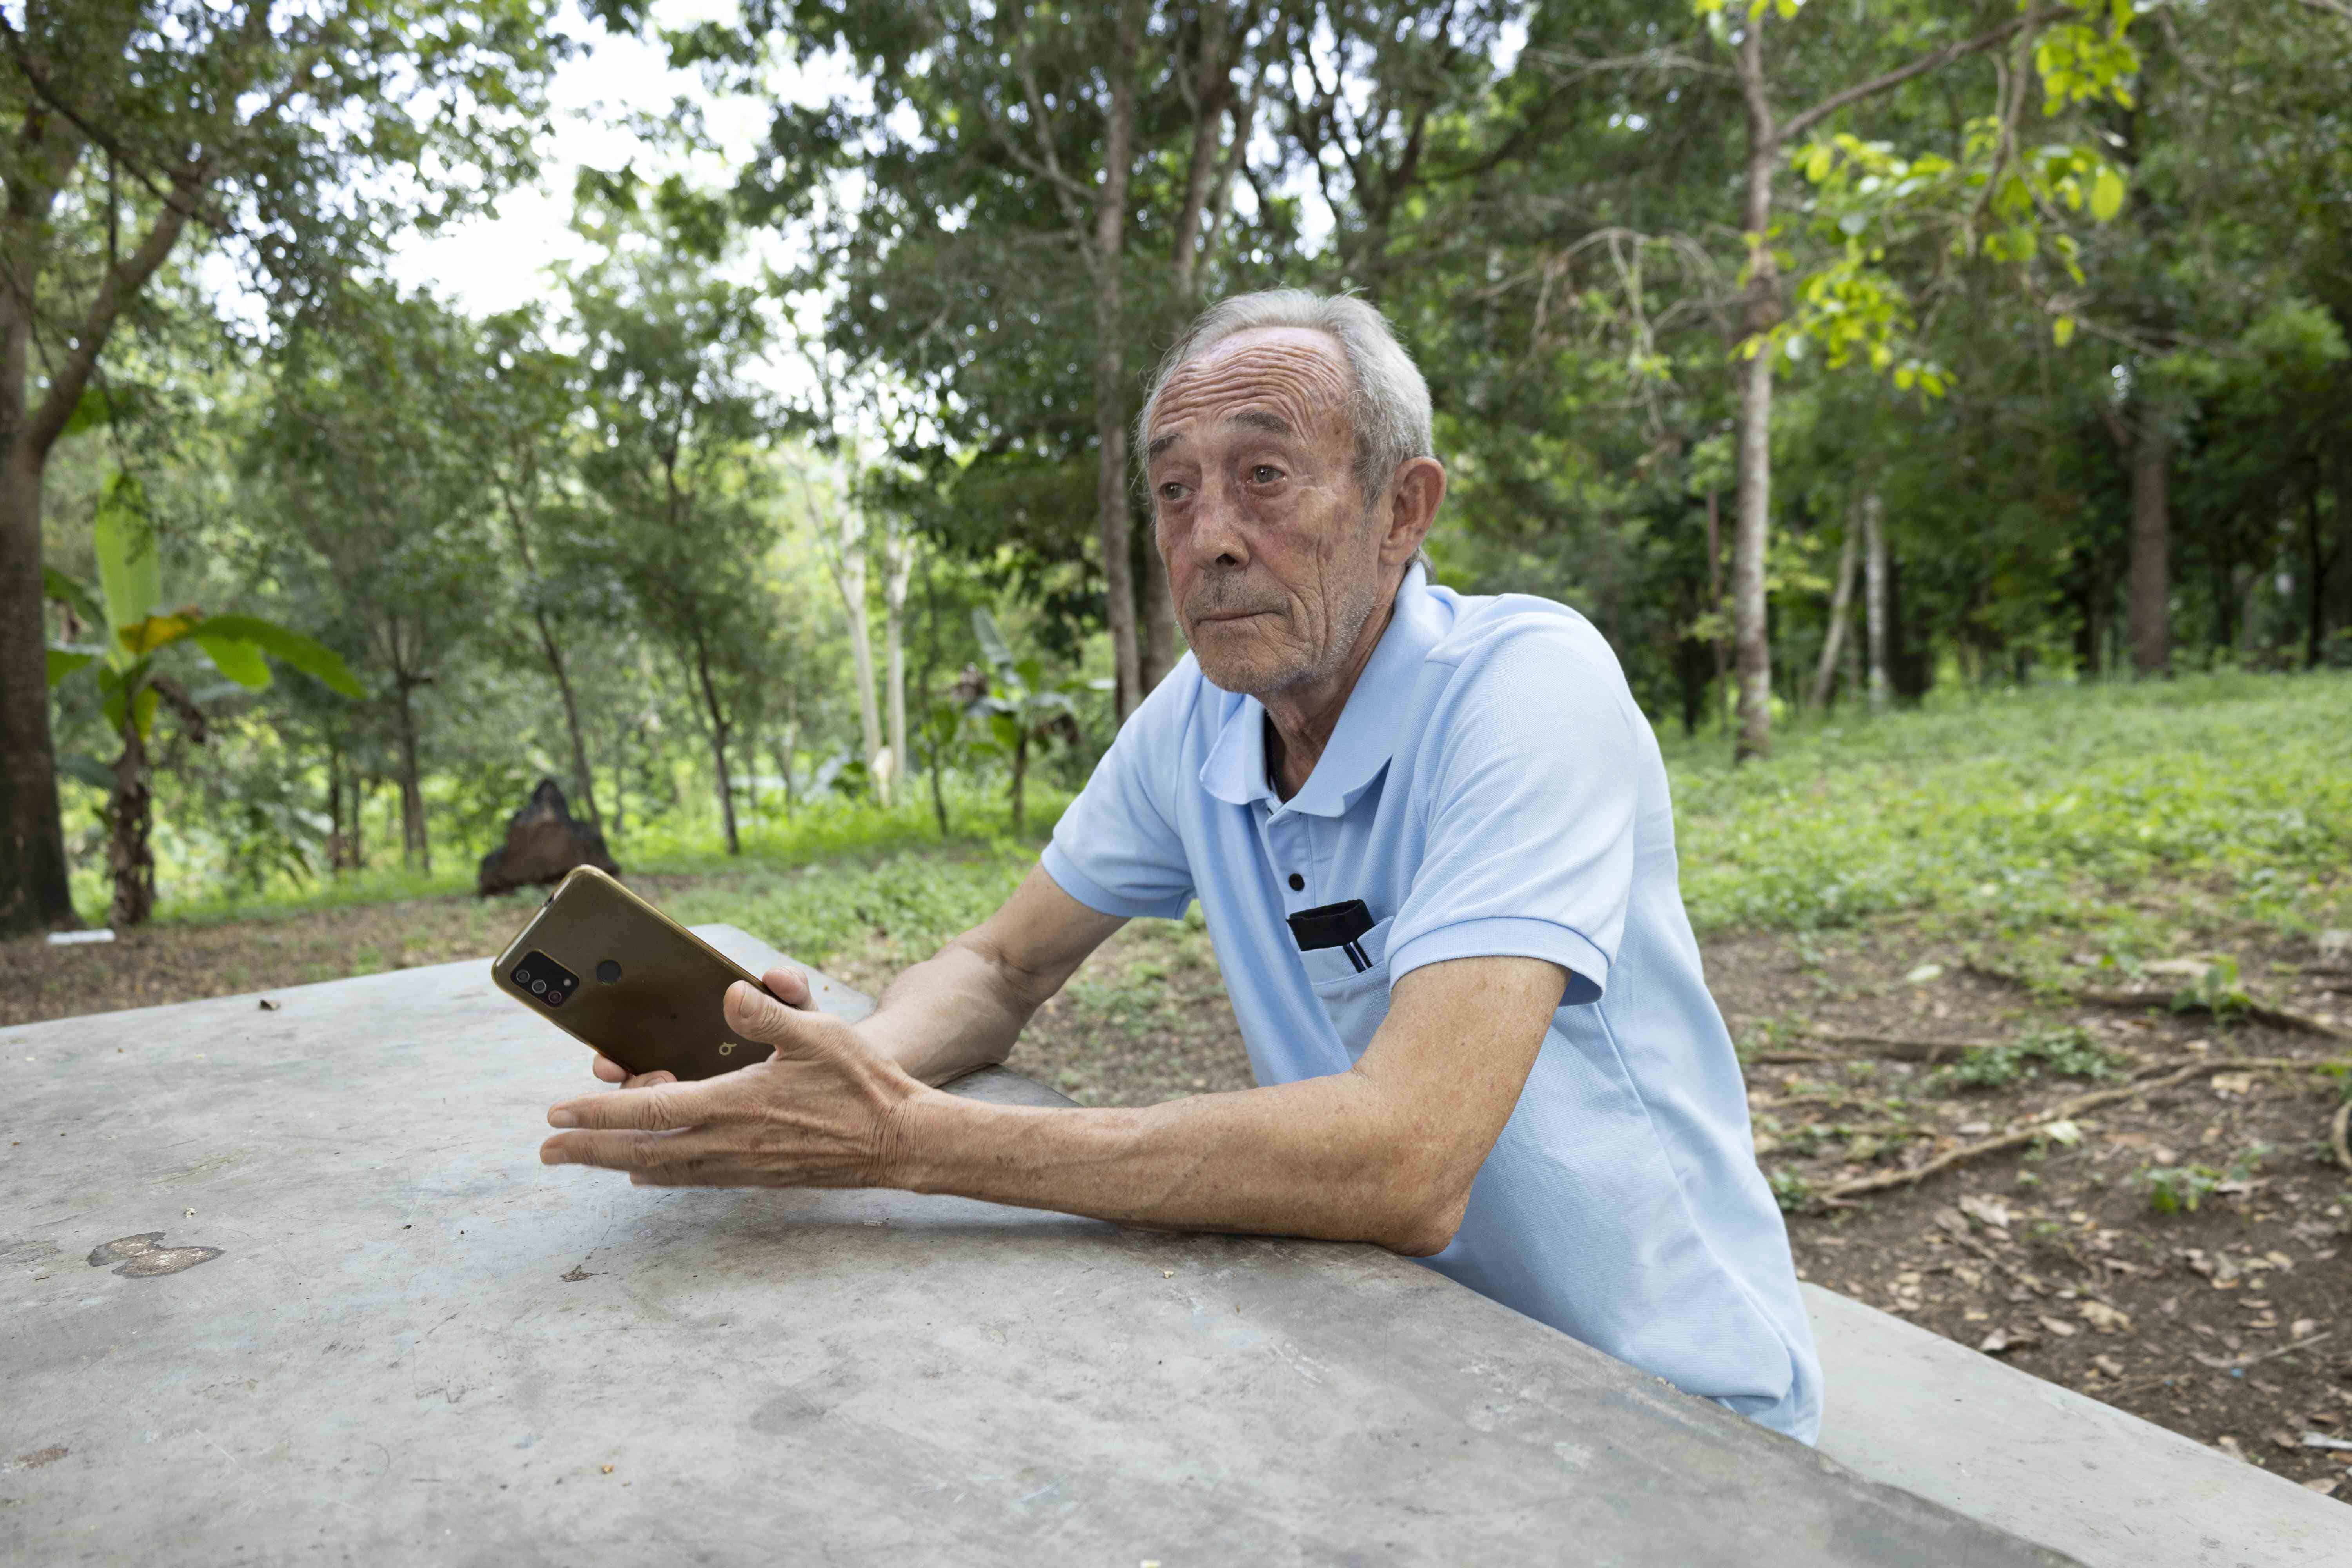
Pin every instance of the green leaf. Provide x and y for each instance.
(2107, 194)
(152, 632)
(142, 709)
(241, 660)
(991, 641)
(2062, 330)
(73, 594)
(88, 769)
(128, 571)
(288, 647)
(64, 661)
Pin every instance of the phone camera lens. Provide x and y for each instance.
(522, 976)
(555, 998)
(538, 987)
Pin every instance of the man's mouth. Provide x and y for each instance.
(1230, 616)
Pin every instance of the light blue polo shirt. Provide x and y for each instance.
(1492, 788)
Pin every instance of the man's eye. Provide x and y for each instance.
(1172, 491)
(1265, 474)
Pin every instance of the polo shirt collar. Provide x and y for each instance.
(1234, 770)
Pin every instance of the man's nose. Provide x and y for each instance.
(1216, 537)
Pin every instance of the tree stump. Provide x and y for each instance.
(544, 841)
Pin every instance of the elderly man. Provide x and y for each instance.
(1488, 1044)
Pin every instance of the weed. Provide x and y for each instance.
(2068, 1052)
(1791, 1190)
(2177, 1189)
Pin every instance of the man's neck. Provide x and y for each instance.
(1301, 717)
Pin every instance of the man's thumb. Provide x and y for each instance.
(756, 1015)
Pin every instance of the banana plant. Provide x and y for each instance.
(1015, 706)
(136, 632)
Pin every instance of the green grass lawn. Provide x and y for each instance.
(2120, 815)
(2125, 812)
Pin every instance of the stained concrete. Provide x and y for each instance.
(1913, 1409)
(415, 1344)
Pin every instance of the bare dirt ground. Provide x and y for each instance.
(2230, 1321)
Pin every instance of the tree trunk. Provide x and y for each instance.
(718, 731)
(898, 567)
(1107, 254)
(2148, 579)
(1840, 596)
(130, 819)
(849, 577)
(1762, 310)
(1873, 596)
(620, 779)
(415, 845)
(34, 894)
(583, 779)
(1020, 781)
(1158, 655)
(2315, 633)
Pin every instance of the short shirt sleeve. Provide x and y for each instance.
(1534, 770)
(1116, 849)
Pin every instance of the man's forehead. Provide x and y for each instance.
(1293, 373)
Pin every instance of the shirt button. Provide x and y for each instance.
(1297, 882)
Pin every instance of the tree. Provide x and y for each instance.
(518, 404)
(1016, 707)
(132, 684)
(279, 133)
(2072, 60)
(673, 457)
(997, 150)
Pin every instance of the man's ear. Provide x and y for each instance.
(1415, 492)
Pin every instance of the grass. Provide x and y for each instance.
(2119, 815)
(2037, 810)
(808, 875)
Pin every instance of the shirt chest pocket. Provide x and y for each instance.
(1355, 1000)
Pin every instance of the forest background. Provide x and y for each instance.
(1828, 356)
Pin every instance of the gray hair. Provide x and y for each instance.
(1388, 402)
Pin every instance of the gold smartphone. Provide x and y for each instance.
(614, 972)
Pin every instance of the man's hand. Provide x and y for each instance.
(789, 986)
(822, 1112)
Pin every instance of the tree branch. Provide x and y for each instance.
(115, 291)
(1798, 124)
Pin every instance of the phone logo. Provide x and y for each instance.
(726, 1047)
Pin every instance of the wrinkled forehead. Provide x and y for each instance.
(1289, 380)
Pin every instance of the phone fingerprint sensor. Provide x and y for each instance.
(608, 972)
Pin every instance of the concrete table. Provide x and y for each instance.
(413, 1344)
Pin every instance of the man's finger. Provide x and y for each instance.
(789, 986)
(756, 1015)
(656, 1108)
(608, 1070)
(625, 1150)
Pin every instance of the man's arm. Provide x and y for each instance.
(1385, 1152)
(962, 1008)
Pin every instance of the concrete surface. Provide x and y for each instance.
(413, 1344)
(1914, 1409)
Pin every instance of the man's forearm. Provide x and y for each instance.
(1323, 1157)
(947, 1015)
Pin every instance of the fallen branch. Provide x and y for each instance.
(1901, 1048)
(2137, 998)
(2236, 1363)
(2063, 1110)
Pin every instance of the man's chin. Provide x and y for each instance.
(1241, 677)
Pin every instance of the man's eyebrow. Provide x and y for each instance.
(1248, 419)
